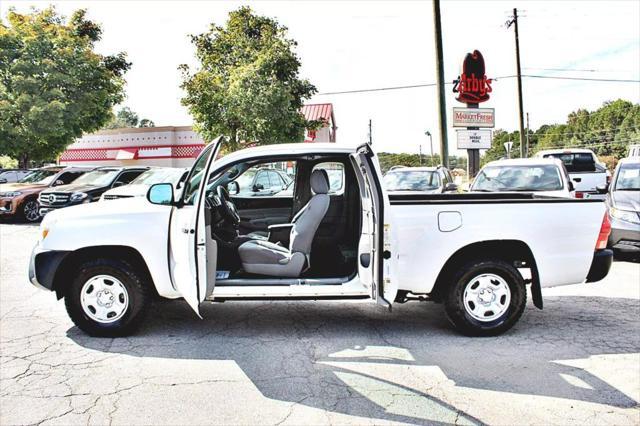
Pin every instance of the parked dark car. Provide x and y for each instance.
(87, 188)
(623, 202)
(13, 175)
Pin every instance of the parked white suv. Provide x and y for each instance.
(475, 253)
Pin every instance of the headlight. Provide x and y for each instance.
(10, 194)
(625, 215)
(77, 196)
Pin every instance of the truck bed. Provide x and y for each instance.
(561, 233)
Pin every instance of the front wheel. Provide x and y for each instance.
(30, 211)
(486, 298)
(107, 298)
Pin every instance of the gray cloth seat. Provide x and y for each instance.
(267, 258)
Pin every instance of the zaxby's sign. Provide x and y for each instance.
(472, 86)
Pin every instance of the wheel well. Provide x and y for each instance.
(515, 252)
(73, 260)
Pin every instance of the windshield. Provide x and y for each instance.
(628, 178)
(41, 177)
(518, 178)
(100, 177)
(162, 175)
(411, 180)
(576, 162)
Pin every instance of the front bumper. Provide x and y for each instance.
(600, 265)
(625, 236)
(7, 207)
(43, 266)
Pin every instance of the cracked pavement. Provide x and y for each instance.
(576, 362)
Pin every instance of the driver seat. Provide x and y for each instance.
(267, 258)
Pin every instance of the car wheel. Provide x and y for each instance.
(107, 298)
(30, 211)
(486, 298)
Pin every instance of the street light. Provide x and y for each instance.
(428, 133)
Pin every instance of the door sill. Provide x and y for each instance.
(286, 298)
(258, 282)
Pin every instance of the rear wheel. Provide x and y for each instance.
(30, 210)
(107, 298)
(486, 298)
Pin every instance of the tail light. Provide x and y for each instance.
(579, 194)
(608, 179)
(605, 230)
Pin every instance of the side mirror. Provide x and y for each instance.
(161, 193)
(571, 187)
(117, 184)
(577, 180)
(602, 189)
(233, 188)
(58, 182)
(257, 187)
(451, 187)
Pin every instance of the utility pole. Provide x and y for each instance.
(442, 106)
(514, 21)
(370, 134)
(420, 153)
(527, 151)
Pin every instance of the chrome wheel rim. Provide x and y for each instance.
(31, 211)
(486, 297)
(104, 299)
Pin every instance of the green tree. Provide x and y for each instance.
(247, 86)
(53, 85)
(7, 162)
(125, 117)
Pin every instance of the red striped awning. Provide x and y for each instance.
(322, 112)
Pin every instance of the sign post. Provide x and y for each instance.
(473, 87)
(507, 147)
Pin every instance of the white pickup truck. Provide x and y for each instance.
(586, 172)
(337, 238)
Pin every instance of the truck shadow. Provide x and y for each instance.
(295, 351)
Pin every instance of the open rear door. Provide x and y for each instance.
(376, 250)
(192, 255)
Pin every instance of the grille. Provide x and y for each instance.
(115, 197)
(53, 199)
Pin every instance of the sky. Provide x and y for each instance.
(350, 45)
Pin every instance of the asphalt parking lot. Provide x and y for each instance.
(576, 362)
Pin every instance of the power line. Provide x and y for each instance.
(611, 80)
(416, 86)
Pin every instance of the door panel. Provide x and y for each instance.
(383, 251)
(189, 255)
(257, 213)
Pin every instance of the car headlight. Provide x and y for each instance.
(10, 194)
(77, 196)
(625, 215)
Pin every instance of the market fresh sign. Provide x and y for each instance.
(474, 117)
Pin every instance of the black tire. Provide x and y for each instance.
(138, 291)
(27, 212)
(454, 300)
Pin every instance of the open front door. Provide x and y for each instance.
(376, 250)
(192, 254)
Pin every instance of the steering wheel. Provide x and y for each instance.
(227, 209)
